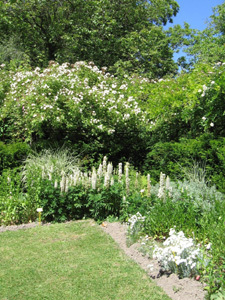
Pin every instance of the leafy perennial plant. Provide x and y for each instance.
(179, 254)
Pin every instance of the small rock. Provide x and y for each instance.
(197, 277)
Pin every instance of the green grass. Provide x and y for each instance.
(75, 260)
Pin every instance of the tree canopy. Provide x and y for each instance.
(207, 45)
(119, 34)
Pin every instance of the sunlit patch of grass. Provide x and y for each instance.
(75, 260)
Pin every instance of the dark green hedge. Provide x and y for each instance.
(12, 155)
(175, 158)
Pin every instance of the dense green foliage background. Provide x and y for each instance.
(121, 35)
(129, 103)
(97, 78)
(162, 125)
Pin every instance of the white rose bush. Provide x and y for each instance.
(76, 102)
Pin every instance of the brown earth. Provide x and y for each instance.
(175, 288)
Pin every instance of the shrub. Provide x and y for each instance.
(60, 206)
(106, 202)
(76, 104)
(13, 155)
(15, 206)
(171, 157)
(11, 53)
(188, 105)
(178, 158)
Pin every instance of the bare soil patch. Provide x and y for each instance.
(22, 226)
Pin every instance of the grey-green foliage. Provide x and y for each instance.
(197, 188)
(194, 190)
(198, 192)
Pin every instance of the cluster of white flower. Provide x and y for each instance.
(127, 178)
(161, 192)
(60, 88)
(164, 186)
(178, 255)
(103, 177)
(135, 222)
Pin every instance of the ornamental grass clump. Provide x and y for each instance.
(49, 164)
(178, 255)
(54, 166)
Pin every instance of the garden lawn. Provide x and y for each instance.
(75, 260)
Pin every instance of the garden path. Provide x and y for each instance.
(175, 288)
